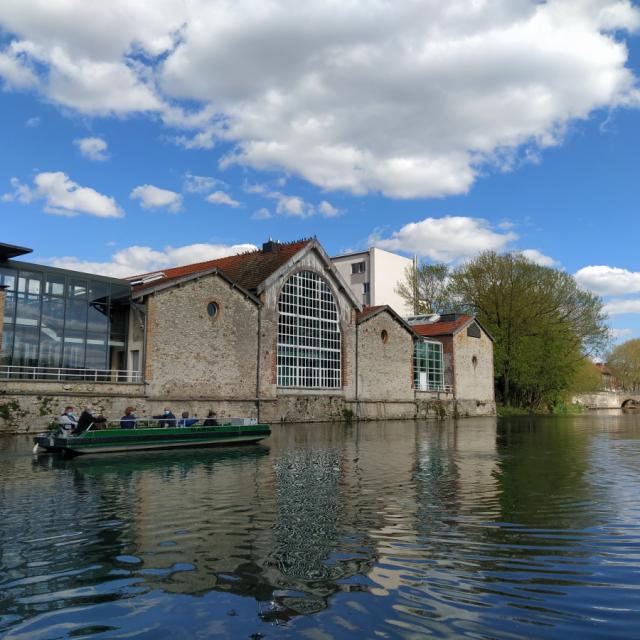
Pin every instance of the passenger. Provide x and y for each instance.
(211, 420)
(67, 421)
(167, 419)
(84, 422)
(128, 420)
(186, 421)
(99, 422)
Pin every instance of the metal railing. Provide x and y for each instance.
(14, 372)
(430, 386)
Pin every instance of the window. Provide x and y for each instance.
(309, 347)
(428, 372)
(366, 287)
(212, 309)
(473, 331)
(384, 336)
(358, 267)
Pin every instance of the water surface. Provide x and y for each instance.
(519, 528)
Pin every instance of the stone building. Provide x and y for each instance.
(467, 354)
(276, 334)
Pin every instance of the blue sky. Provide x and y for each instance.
(138, 137)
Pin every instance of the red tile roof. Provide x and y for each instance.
(441, 328)
(369, 311)
(246, 269)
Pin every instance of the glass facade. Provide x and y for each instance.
(428, 373)
(59, 319)
(309, 345)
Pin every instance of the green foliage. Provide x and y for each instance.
(624, 362)
(542, 322)
(426, 289)
(45, 405)
(587, 378)
(11, 412)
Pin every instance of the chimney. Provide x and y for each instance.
(270, 246)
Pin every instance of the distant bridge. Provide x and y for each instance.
(608, 400)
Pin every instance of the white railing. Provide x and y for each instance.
(444, 388)
(86, 375)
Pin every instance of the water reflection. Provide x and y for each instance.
(518, 529)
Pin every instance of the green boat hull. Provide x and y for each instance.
(141, 439)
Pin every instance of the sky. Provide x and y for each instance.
(141, 135)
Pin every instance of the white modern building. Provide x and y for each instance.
(374, 276)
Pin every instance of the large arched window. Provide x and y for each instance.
(308, 334)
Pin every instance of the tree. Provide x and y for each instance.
(426, 289)
(587, 378)
(624, 362)
(542, 322)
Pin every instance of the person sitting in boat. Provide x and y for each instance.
(186, 421)
(211, 420)
(84, 421)
(167, 419)
(128, 420)
(67, 421)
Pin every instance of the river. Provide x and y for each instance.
(526, 527)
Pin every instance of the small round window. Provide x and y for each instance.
(212, 309)
(384, 336)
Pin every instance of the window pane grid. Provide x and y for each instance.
(309, 347)
(428, 374)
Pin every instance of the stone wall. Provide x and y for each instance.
(191, 354)
(384, 364)
(473, 367)
(473, 375)
(25, 412)
(27, 406)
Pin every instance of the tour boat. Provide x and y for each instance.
(151, 436)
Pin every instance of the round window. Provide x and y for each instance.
(212, 309)
(384, 336)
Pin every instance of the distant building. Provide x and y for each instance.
(374, 276)
(608, 381)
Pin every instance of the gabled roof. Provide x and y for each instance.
(448, 325)
(247, 270)
(371, 312)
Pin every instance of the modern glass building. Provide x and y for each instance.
(58, 319)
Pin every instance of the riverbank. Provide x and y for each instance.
(505, 411)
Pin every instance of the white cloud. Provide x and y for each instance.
(328, 210)
(139, 259)
(220, 197)
(21, 193)
(621, 334)
(200, 184)
(293, 206)
(92, 148)
(15, 69)
(201, 140)
(262, 214)
(445, 239)
(408, 98)
(64, 197)
(608, 281)
(152, 197)
(32, 122)
(538, 257)
(618, 307)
